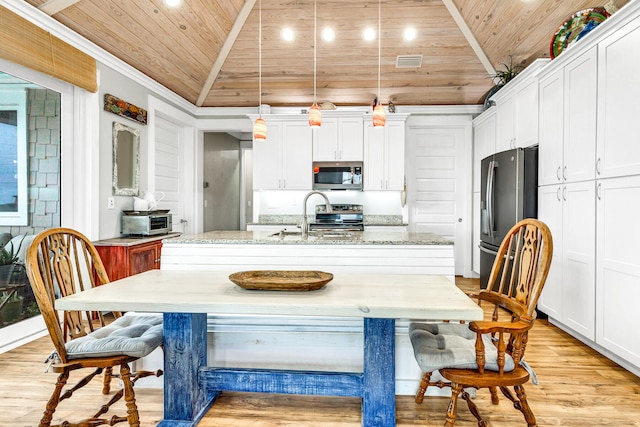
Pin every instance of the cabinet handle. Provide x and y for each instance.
(558, 194)
(598, 166)
(564, 194)
(564, 173)
(157, 261)
(599, 191)
(558, 174)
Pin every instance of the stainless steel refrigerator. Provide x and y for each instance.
(508, 193)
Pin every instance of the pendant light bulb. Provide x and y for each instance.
(315, 115)
(260, 126)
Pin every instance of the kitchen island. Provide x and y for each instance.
(309, 342)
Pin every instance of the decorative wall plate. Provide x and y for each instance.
(575, 27)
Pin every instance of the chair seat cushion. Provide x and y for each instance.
(134, 335)
(451, 345)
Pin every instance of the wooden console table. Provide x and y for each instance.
(125, 256)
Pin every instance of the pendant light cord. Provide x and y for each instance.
(379, 40)
(260, 63)
(315, 44)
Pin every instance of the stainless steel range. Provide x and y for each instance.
(342, 216)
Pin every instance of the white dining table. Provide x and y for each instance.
(186, 297)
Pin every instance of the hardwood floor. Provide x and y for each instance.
(578, 387)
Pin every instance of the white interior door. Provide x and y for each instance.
(437, 178)
(169, 170)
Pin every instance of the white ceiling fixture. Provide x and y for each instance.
(369, 34)
(328, 34)
(288, 34)
(408, 61)
(409, 34)
(172, 3)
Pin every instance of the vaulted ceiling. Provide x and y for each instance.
(207, 51)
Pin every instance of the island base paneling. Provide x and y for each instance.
(290, 342)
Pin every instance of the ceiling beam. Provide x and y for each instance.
(224, 51)
(466, 31)
(52, 7)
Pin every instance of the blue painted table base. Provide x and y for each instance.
(190, 387)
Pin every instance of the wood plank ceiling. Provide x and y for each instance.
(207, 51)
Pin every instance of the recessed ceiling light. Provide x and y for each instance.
(288, 34)
(328, 34)
(369, 34)
(409, 34)
(172, 3)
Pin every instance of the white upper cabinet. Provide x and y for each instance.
(484, 142)
(283, 161)
(568, 121)
(517, 110)
(618, 151)
(339, 139)
(384, 155)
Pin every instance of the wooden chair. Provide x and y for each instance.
(60, 262)
(490, 353)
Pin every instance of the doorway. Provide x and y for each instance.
(227, 186)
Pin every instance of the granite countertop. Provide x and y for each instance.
(314, 238)
(134, 240)
(297, 219)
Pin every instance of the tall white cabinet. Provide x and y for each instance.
(589, 194)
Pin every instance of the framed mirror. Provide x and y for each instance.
(126, 160)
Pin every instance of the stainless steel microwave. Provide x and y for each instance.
(337, 176)
(146, 225)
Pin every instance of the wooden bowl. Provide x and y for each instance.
(281, 280)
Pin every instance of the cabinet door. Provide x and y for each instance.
(297, 171)
(578, 257)
(504, 120)
(267, 159)
(580, 118)
(144, 257)
(394, 153)
(350, 138)
(525, 126)
(484, 142)
(618, 266)
(374, 152)
(550, 212)
(325, 140)
(618, 145)
(551, 115)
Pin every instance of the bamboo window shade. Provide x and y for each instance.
(27, 44)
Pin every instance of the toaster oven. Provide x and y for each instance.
(146, 225)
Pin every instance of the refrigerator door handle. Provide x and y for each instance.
(489, 197)
(490, 252)
(487, 251)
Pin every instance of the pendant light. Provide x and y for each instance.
(315, 115)
(260, 126)
(379, 118)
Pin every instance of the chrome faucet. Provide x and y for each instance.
(305, 224)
